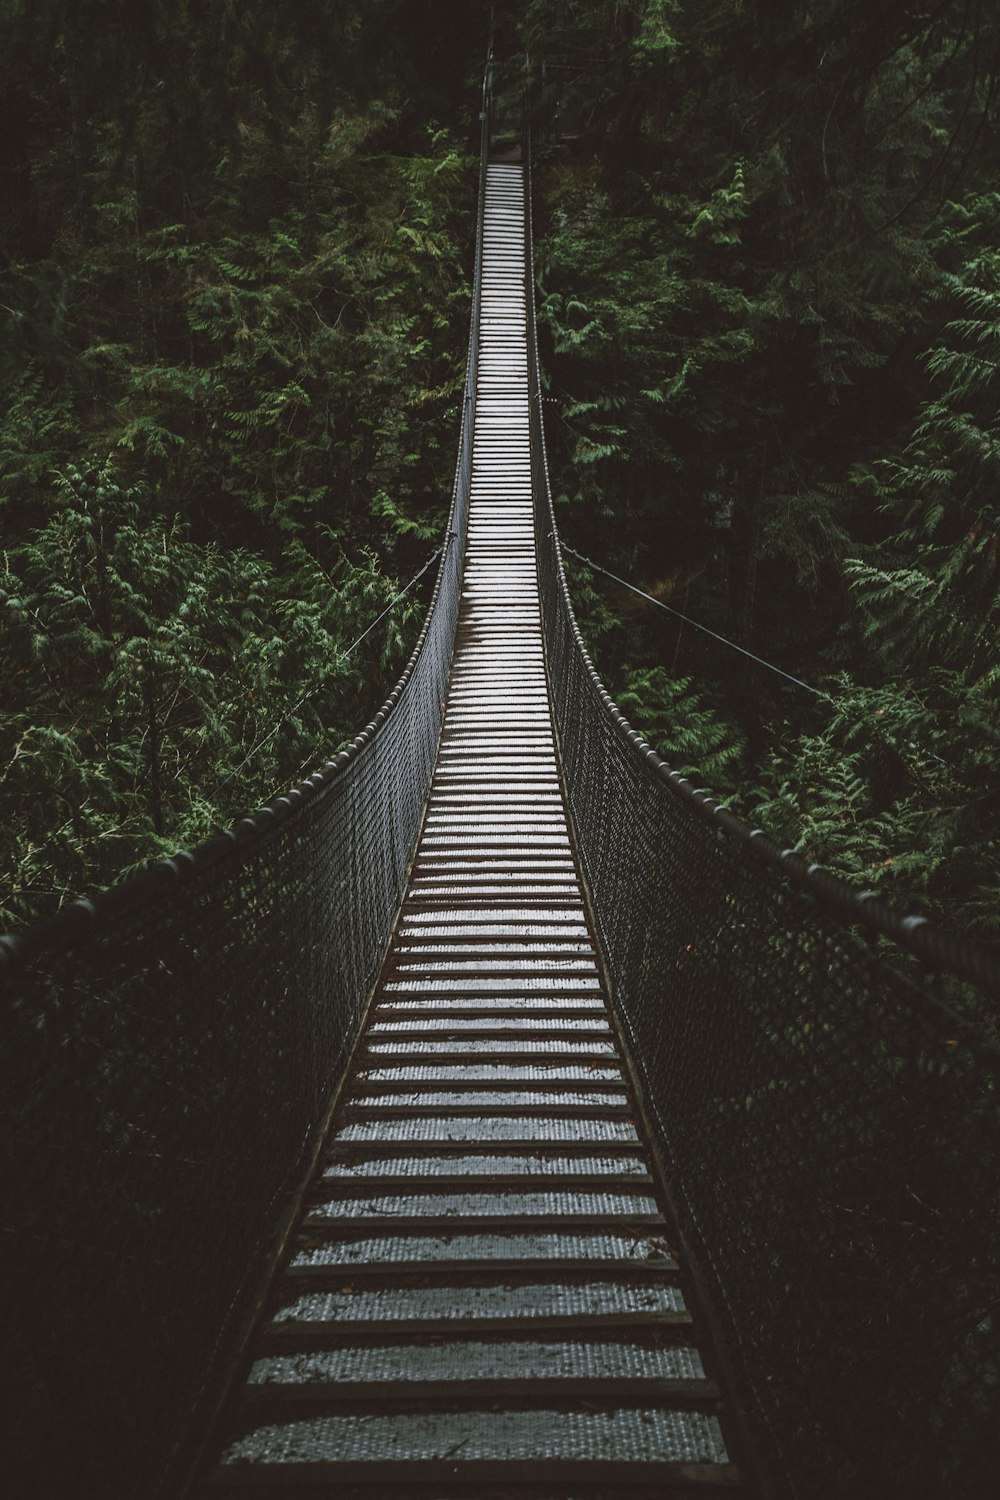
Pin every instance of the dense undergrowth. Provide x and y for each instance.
(236, 293)
(769, 285)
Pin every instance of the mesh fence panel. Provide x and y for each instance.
(829, 1127)
(170, 1052)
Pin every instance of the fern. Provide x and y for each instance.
(695, 738)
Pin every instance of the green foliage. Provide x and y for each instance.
(687, 731)
(235, 291)
(930, 598)
(142, 669)
(896, 790)
(236, 262)
(940, 606)
(754, 215)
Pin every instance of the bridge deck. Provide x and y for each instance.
(481, 1297)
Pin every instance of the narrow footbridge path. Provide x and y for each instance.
(482, 1292)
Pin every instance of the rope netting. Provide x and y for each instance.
(828, 1125)
(171, 1050)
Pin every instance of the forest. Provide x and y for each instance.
(236, 283)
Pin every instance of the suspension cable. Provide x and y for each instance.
(817, 692)
(311, 693)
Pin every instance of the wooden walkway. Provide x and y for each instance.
(481, 1298)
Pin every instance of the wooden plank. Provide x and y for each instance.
(388, 1478)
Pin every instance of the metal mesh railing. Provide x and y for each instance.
(170, 1052)
(829, 1127)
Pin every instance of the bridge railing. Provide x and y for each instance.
(830, 1129)
(170, 1051)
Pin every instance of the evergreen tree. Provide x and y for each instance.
(235, 287)
(752, 213)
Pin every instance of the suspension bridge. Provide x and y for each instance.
(494, 1114)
